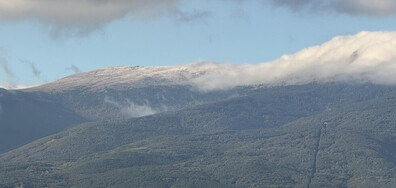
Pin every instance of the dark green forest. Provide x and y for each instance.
(315, 135)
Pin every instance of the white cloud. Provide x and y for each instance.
(135, 110)
(364, 57)
(130, 109)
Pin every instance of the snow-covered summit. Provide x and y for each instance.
(128, 76)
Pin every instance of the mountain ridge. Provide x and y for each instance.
(126, 76)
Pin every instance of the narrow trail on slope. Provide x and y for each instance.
(318, 136)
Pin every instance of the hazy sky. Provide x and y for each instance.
(44, 40)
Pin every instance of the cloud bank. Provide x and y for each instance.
(84, 16)
(353, 7)
(364, 57)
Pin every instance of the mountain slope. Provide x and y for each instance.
(350, 146)
(25, 117)
(123, 102)
(263, 108)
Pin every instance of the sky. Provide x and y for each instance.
(45, 40)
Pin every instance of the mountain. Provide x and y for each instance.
(124, 92)
(125, 77)
(109, 93)
(25, 117)
(315, 135)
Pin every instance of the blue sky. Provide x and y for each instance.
(40, 49)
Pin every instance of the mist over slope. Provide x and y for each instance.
(125, 92)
